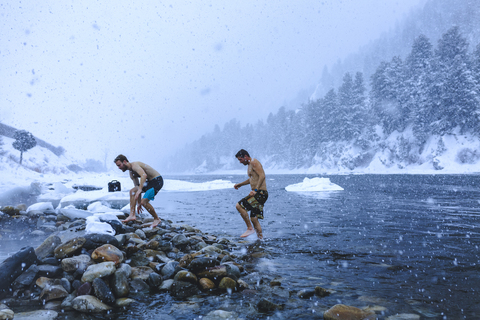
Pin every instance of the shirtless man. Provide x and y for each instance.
(256, 198)
(151, 182)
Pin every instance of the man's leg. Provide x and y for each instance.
(131, 216)
(147, 205)
(245, 217)
(257, 226)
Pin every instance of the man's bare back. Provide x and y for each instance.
(139, 167)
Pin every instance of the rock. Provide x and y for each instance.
(166, 285)
(72, 264)
(139, 286)
(119, 283)
(26, 278)
(95, 240)
(141, 234)
(141, 273)
(186, 276)
(46, 270)
(15, 265)
(84, 289)
(42, 282)
(6, 313)
(182, 290)
(69, 248)
(108, 252)
(232, 271)
(103, 291)
(53, 305)
(214, 273)
(227, 284)
(66, 285)
(89, 304)
(37, 233)
(139, 259)
(98, 270)
(53, 292)
(305, 294)
(168, 270)
(206, 284)
(341, 311)
(124, 302)
(201, 263)
(37, 315)
(11, 211)
(265, 305)
(154, 280)
(180, 240)
(321, 292)
(242, 284)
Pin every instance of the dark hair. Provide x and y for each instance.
(242, 153)
(120, 157)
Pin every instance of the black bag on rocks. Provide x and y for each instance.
(114, 185)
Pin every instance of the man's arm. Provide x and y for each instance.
(134, 179)
(244, 183)
(143, 178)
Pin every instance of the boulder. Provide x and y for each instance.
(341, 311)
(15, 265)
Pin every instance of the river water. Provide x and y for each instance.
(408, 243)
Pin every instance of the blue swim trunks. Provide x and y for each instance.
(152, 187)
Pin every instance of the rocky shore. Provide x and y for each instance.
(73, 273)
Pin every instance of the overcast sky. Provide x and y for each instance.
(145, 77)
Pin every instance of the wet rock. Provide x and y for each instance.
(37, 315)
(265, 305)
(98, 270)
(341, 311)
(107, 252)
(26, 278)
(11, 211)
(186, 276)
(124, 302)
(227, 284)
(321, 292)
(37, 233)
(242, 285)
(103, 291)
(77, 262)
(206, 284)
(15, 265)
(66, 285)
(53, 305)
(42, 282)
(139, 259)
(165, 245)
(182, 290)
(69, 248)
(84, 289)
(89, 304)
(141, 273)
(47, 247)
(139, 286)
(305, 294)
(154, 280)
(168, 270)
(95, 240)
(141, 234)
(202, 263)
(53, 292)
(6, 313)
(152, 245)
(46, 270)
(166, 285)
(180, 240)
(119, 283)
(214, 273)
(232, 271)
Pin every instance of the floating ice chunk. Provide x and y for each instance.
(74, 213)
(314, 184)
(94, 225)
(40, 206)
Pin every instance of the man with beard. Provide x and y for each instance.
(256, 198)
(150, 182)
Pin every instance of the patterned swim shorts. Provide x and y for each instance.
(255, 203)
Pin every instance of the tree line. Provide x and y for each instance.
(432, 91)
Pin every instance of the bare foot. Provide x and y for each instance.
(247, 233)
(155, 223)
(130, 218)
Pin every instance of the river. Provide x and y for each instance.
(407, 243)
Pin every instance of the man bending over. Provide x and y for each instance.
(150, 182)
(256, 198)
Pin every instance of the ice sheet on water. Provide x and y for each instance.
(314, 185)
